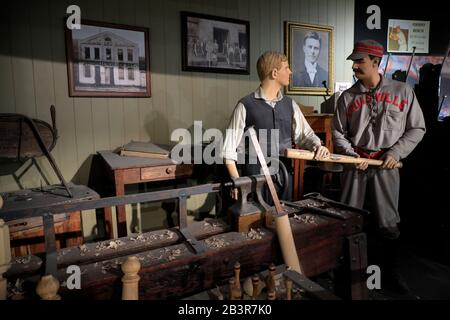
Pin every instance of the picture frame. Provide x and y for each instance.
(214, 44)
(313, 45)
(108, 60)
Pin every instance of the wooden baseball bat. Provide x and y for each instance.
(338, 158)
(282, 223)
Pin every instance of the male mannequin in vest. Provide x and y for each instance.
(267, 108)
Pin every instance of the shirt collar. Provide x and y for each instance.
(259, 94)
(362, 88)
(311, 67)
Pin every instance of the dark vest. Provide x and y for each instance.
(262, 116)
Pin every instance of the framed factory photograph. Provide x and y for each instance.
(310, 52)
(214, 44)
(108, 60)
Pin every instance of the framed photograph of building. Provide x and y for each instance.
(108, 60)
(310, 52)
(214, 44)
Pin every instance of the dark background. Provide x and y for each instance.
(425, 179)
(433, 11)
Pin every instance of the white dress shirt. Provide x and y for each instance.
(303, 134)
(311, 68)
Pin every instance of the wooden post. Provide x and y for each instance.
(48, 287)
(288, 283)
(5, 255)
(130, 280)
(255, 283)
(270, 280)
(231, 285)
(237, 271)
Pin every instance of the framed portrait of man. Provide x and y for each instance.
(310, 52)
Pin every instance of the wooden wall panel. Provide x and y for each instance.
(34, 73)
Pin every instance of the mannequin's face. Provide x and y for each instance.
(365, 68)
(311, 49)
(282, 75)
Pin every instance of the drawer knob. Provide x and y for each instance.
(169, 170)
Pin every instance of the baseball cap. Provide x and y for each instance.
(364, 48)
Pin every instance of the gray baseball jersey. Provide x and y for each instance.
(386, 118)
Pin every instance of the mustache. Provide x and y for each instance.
(357, 71)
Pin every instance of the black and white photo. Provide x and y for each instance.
(107, 59)
(309, 49)
(214, 44)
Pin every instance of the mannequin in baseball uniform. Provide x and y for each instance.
(377, 118)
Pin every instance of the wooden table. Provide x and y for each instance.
(130, 170)
(320, 123)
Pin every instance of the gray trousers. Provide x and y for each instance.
(382, 187)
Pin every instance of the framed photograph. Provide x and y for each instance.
(310, 52)
(214, 44)
(108, 60)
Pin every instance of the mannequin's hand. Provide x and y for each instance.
(321, 153)
(389, 162)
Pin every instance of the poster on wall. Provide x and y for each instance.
(403, 35)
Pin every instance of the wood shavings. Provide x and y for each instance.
(167, 235)
(174, 254)
(216, 243)
(307, 219)
(139, 238)
(83, 249)
(23, 260)
(255, 234)
(109, 245)
(209, 225)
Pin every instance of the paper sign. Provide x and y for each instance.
(403, 35)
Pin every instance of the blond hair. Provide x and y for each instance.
(269, 61)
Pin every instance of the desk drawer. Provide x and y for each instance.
(166, 172)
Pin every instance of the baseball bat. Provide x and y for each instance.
(338, 158)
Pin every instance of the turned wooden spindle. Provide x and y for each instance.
(288, 284)
(237, 271)
(5, 256)
(255, 283)
(231, 284)
(270, 280)
(237, 281)
(130, 280)
(271, 295)
(48, 287)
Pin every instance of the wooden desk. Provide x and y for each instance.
(130, 170)
(320, 123)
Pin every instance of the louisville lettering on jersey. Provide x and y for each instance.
(386, 97)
